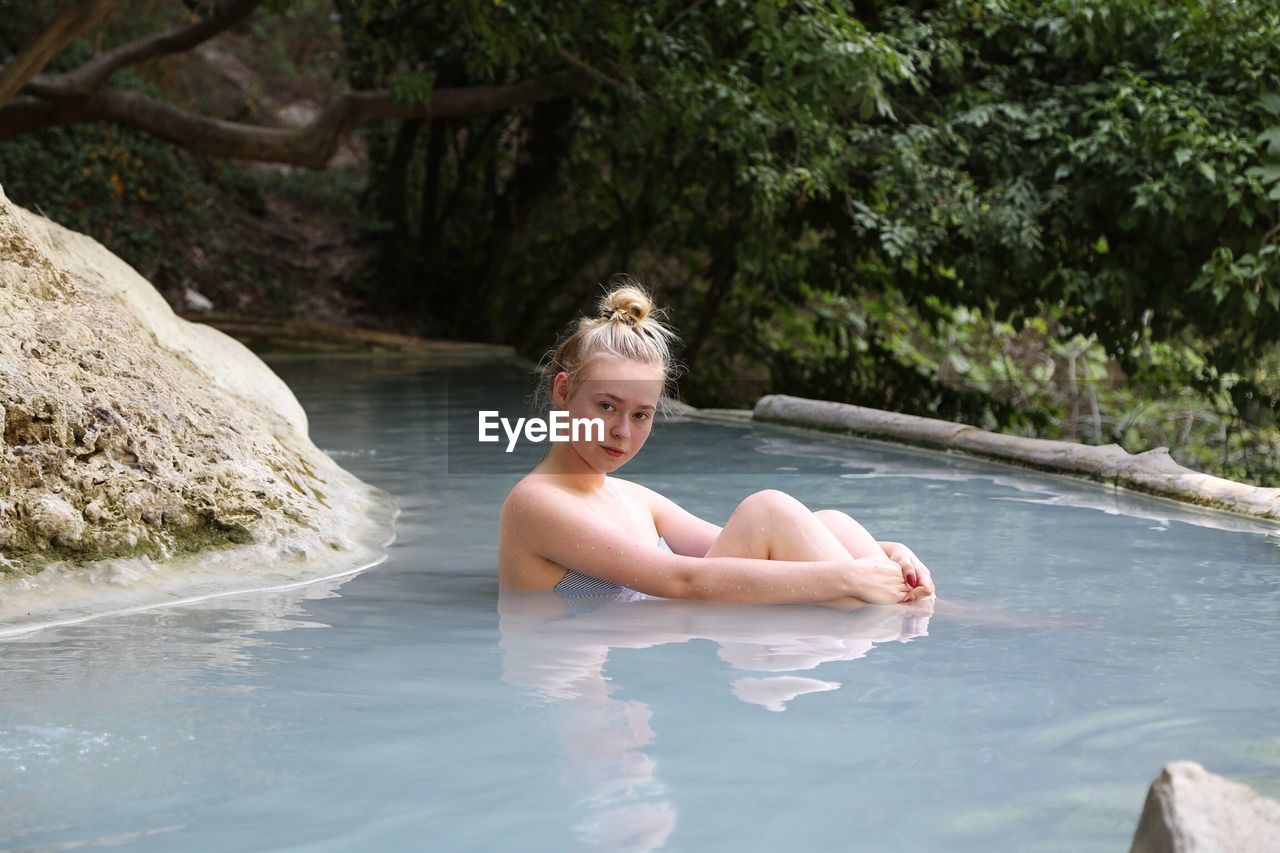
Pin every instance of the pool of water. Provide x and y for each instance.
(1081, 639)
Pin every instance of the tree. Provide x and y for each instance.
(811, 166)
(707, 127)
(1116, 163)
(81, 95)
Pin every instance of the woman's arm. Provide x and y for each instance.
(685, 532)
(556, 527)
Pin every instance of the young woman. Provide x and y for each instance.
(569, 525)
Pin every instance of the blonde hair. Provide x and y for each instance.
(627, 326)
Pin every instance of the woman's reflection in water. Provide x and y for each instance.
(556, 648)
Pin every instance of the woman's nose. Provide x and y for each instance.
(620, 428)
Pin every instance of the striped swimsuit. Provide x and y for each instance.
(576, 583)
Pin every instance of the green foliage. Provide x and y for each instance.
(183, 220)
(1040, 381)
(128, 191)
(1105, 157)
(413, 88)
(823, 193)
(131, 192)
(944, 207)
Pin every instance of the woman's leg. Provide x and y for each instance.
(852, 535)
(772, 525)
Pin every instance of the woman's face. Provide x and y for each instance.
(624, 395)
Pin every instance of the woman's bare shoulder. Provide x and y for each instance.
(535, 495)
(526, 518)
(635, 491)
(532, 486)
(655, 502)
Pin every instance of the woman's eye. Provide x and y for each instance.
(642, 416)
(608, 407)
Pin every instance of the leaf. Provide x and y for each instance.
(959, 362)
(1182, 155)
(1271, 139)
(1270, 102)
(1268, 174)
(1207, 170)
(1102, 247)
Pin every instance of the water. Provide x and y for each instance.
(1082, 639)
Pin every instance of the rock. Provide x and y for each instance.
(298, 114)
(54, 520)
(125, 430)
(1189, 809)
(197, 301)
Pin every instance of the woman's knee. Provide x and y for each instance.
(853, 536)
(770, 502)
(839, 521)
(832, 516)
(778, 527)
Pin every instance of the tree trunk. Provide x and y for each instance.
(428, 226)
(534, 177)
(312, 145)
(724, 267)
(392, 209)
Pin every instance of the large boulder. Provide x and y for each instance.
(131, 433)
(1189, 809)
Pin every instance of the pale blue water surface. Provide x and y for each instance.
(1082, 638)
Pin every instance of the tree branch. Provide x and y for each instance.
(586, 68)
(42, 49)
(311, 145)
(89, 76)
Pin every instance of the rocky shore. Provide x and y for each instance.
(130, 433)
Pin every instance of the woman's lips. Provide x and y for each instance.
(614, 453)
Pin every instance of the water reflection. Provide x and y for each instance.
(557, 648)
(218, 633)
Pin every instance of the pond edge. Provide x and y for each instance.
(1152, 472)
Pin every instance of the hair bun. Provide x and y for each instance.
(628, 326)
(627, 303)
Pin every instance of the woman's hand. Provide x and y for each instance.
(913, 571)
(883, 582)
